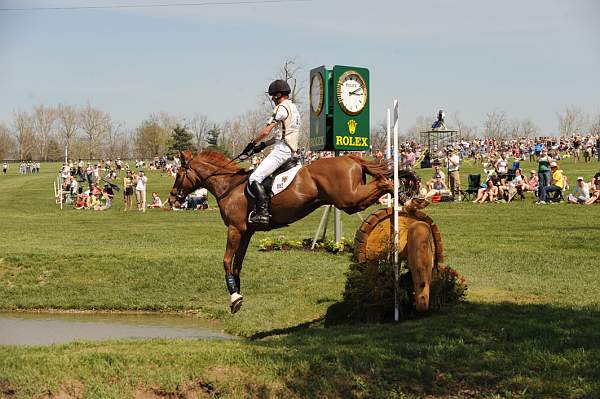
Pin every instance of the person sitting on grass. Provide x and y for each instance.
(581, 192)
(516, 185)
(556, 185)
(437, 170)
(108, 194)
(532, 183)
(92, 202)
(156, 201)
(488, 193)
(503, 188)
(438, 187)
(595, 188)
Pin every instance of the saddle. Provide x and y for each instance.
(280, 179)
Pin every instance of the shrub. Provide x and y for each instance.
(282, 244)
(369, 292)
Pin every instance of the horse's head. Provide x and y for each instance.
(186, 180)
(421, 257)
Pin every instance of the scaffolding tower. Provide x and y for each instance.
(439, 139)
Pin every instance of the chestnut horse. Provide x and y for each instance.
(339, 181)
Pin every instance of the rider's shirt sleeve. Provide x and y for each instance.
(280, 113)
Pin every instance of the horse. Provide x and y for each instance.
(420, 258)
(339, 181)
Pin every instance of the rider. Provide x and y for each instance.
(286, 123)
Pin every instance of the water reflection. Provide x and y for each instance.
(51, 328)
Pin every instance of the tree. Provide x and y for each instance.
(213, 136)
(151, 138)
(595, 126)
(290, 71)
(68, 123)
(181, 140)
(113, 141)
(94, 123)
(215, 140)
(466, 131)
(379, 137)
(495, 125)
(44, 120)
(571, 121)
(23, 130)
(529, 128)
(421, 124)
(198, 127)
(7, 144)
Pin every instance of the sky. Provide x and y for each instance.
(529, 59)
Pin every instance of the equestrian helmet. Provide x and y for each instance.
(279, 87)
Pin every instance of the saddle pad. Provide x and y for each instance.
(284, 179)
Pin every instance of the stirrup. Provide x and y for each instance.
(259, 220)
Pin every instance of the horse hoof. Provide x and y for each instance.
(236, 305)
(235, 302)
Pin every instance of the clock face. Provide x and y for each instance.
(317, 93)
(352, 92)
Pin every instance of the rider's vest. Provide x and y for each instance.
(289, 128)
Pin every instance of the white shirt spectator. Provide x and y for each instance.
(141, 183)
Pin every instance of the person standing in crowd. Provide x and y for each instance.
(543, 173)
(581, 192)
(453, 161)
(501, 166)
(5, 168)
(140, 191)
(89, 173)
(64, 172)
(128, 191)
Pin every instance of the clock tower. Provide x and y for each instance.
(339, 109)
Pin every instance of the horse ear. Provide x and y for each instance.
(185, 156)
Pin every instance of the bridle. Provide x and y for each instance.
(180, 196)
(187, 169)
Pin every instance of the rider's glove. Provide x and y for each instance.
(259, 147)
(249, 148)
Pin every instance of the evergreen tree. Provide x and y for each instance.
(213, 137)
(213, 140)
(181, 139)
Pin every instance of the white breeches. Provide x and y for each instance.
(278, 156)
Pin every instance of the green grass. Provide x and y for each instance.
(530, 327)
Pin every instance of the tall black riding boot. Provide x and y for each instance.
(260, 216)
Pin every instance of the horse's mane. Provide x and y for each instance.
(219, 159)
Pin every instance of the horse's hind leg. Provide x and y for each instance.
(233, 243)
(364, 195)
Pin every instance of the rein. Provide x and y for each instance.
(202, 181)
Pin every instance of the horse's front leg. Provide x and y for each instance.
(238, 260)
(233, 243)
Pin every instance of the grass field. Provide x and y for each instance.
(530, 326)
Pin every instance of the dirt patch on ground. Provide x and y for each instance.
(67, 390)
(6, 390)
(193, 390)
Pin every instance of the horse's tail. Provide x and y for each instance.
(374, 168)
(384, 169)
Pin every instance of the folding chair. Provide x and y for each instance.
(474, 185)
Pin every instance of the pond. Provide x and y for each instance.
(19, 328)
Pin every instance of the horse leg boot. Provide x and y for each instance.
(235, 299)
(260, 216)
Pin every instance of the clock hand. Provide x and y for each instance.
(354, 92)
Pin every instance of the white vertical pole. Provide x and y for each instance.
(337, 228)
(388, 149)
(396, 210)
